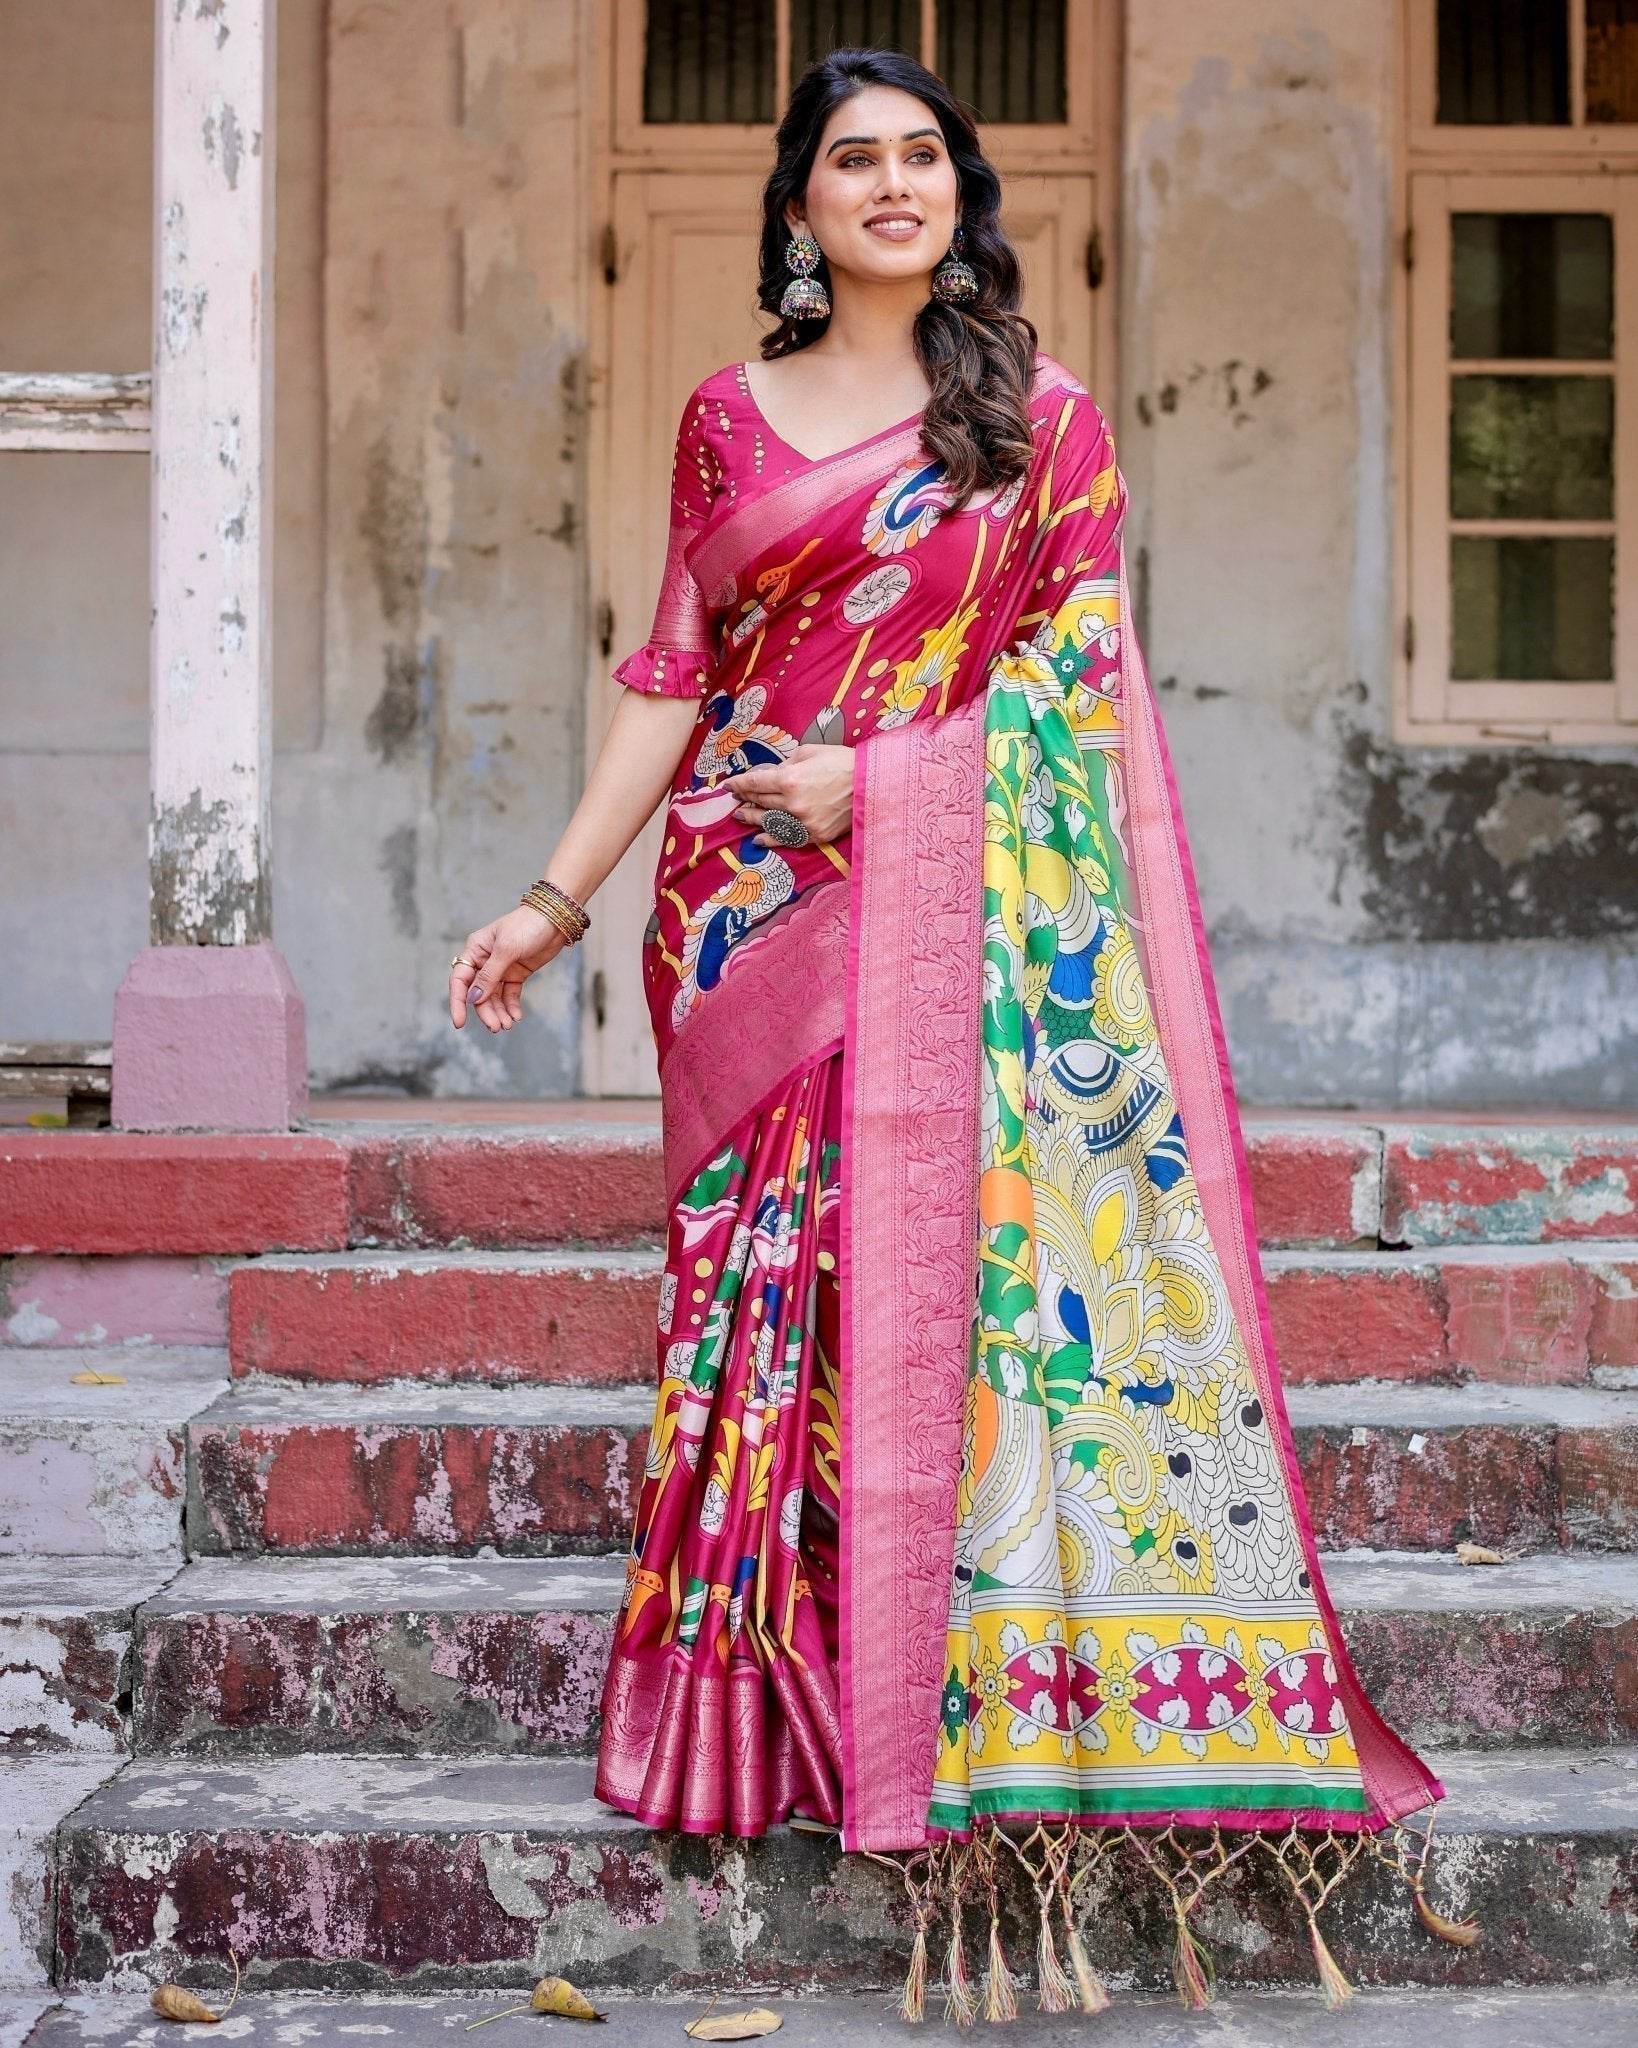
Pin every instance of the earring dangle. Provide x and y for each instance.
(805, 296)
(955, 281)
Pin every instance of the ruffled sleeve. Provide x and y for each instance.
(676, 659)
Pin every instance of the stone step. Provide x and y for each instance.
(1484, 1181)
(418, 1655)
(66, 1630)
(94, 1303)
(1528, 1314)
(1316, 1181)
(37, 1793)
(564, 1318)
(1392, 1467)
(251, 1656)
(1594, 2016)
(373, 1872)
(99, 1470)
(1522, 1315)
(526, 1470)
(276, 1465)
(128, 1192)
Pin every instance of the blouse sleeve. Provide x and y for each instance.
(676, 658)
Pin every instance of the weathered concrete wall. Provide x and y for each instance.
(1390, 925)
(428, 622)
(76, 240)
(454, 606)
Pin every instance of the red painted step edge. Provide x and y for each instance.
(130, 1191)
(443, 1322)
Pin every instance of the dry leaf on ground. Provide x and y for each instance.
(559, 1997)
(734, 2026)
(173, 2002)
(97, 1379)
(554, 1995)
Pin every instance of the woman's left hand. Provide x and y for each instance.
(814, 783)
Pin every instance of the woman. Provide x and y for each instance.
(971, 1521)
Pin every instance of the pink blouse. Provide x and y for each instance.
(722, 441)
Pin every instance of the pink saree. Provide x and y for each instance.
(971, 1512)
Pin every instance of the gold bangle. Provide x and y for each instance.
(554, 914)
(538, 893)
(577, 911)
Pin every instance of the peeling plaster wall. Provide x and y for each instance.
(76, 269)
(427, 689)
(454, 618)
(1390, 925)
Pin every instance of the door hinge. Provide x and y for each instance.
(1409, 247)
(1094, 259)
(611, 254)
(1409, 640)
(599, 997)
(605, 627)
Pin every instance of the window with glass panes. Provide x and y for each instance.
(1521, 250)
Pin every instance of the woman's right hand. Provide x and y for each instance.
(503, 956)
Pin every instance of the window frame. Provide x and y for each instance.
(1518, 169)
(1069, 144)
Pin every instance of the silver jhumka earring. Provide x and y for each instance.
(805, 297)
(954, 280)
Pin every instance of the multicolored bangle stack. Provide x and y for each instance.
(557, 904)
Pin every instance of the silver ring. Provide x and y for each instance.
(784, 828)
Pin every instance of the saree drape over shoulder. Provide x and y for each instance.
(971, 1503)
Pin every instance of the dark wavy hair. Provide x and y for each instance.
(979, 358)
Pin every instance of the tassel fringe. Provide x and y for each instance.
(1462, 1932)
(960, 1998)
(1192, 1972)
(1406, 1849)
(1333, 1983)
(1000, 1991)
(1061, 1861)
(1000, 1996)
(1089, 1986)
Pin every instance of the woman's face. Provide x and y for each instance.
(882, 194)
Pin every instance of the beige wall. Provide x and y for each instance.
(1390, 924)
(429, 536)
(76, 188)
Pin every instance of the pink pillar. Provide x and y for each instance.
(209, 1026)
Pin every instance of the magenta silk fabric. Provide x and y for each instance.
(781, 1647)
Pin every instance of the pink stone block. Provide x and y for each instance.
(1358, 1321)
(506, 1188)
(110, 1192)
(1520, 1321)
(209, 1038)
(1314, 1187)
(68, 1301)
(1612, 1339)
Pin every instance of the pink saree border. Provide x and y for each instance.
(908, 1253)
(779, 1008)
(1195, 1047)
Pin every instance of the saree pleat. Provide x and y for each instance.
(720, 1703)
